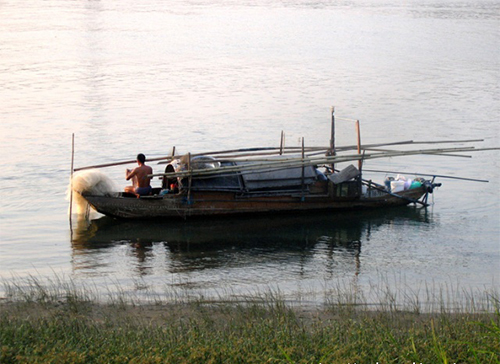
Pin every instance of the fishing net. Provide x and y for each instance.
(92, 182)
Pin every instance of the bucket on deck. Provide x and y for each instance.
(397, 186)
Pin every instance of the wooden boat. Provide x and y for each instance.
(219, 187)
(323, 196)
(268, 181)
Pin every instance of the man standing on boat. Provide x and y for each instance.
(140, 181)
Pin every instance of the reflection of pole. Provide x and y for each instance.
(358, 253)
(355, 279)
(71, 179)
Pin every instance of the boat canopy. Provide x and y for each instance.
(224, 182)
(286, 178)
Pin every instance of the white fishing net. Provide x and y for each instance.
(92, 182)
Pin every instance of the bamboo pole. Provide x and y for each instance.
(450, 141)
(405, 142)
(273, 159)
(452, 155)
(358, 133)
(246, 150)
(430, 175)
(442, 154)
(255, 155)
(71, 180)
(293, 150)
(303, 170)
(281, 143)
(190, 179)
(332, 136)
(119, 163)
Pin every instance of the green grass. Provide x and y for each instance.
(59, 326)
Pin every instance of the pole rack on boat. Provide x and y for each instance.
(352, 157)
(312, 161)
(167, 159)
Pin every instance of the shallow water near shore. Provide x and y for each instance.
(208, 75)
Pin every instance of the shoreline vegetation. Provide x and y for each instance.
(63, 324)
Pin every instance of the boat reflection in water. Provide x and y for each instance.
(160, 248)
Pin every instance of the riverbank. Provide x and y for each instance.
(73, 329)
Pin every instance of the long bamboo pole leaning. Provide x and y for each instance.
(442, 154)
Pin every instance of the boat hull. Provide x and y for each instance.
(230, 203)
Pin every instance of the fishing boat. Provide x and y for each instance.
(273, 180)
(261, 191)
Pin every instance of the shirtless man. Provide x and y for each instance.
(139, 175)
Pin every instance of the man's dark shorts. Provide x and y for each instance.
(142, 191)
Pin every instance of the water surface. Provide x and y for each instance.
(145, 76)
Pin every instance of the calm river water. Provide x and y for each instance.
(144, 76)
